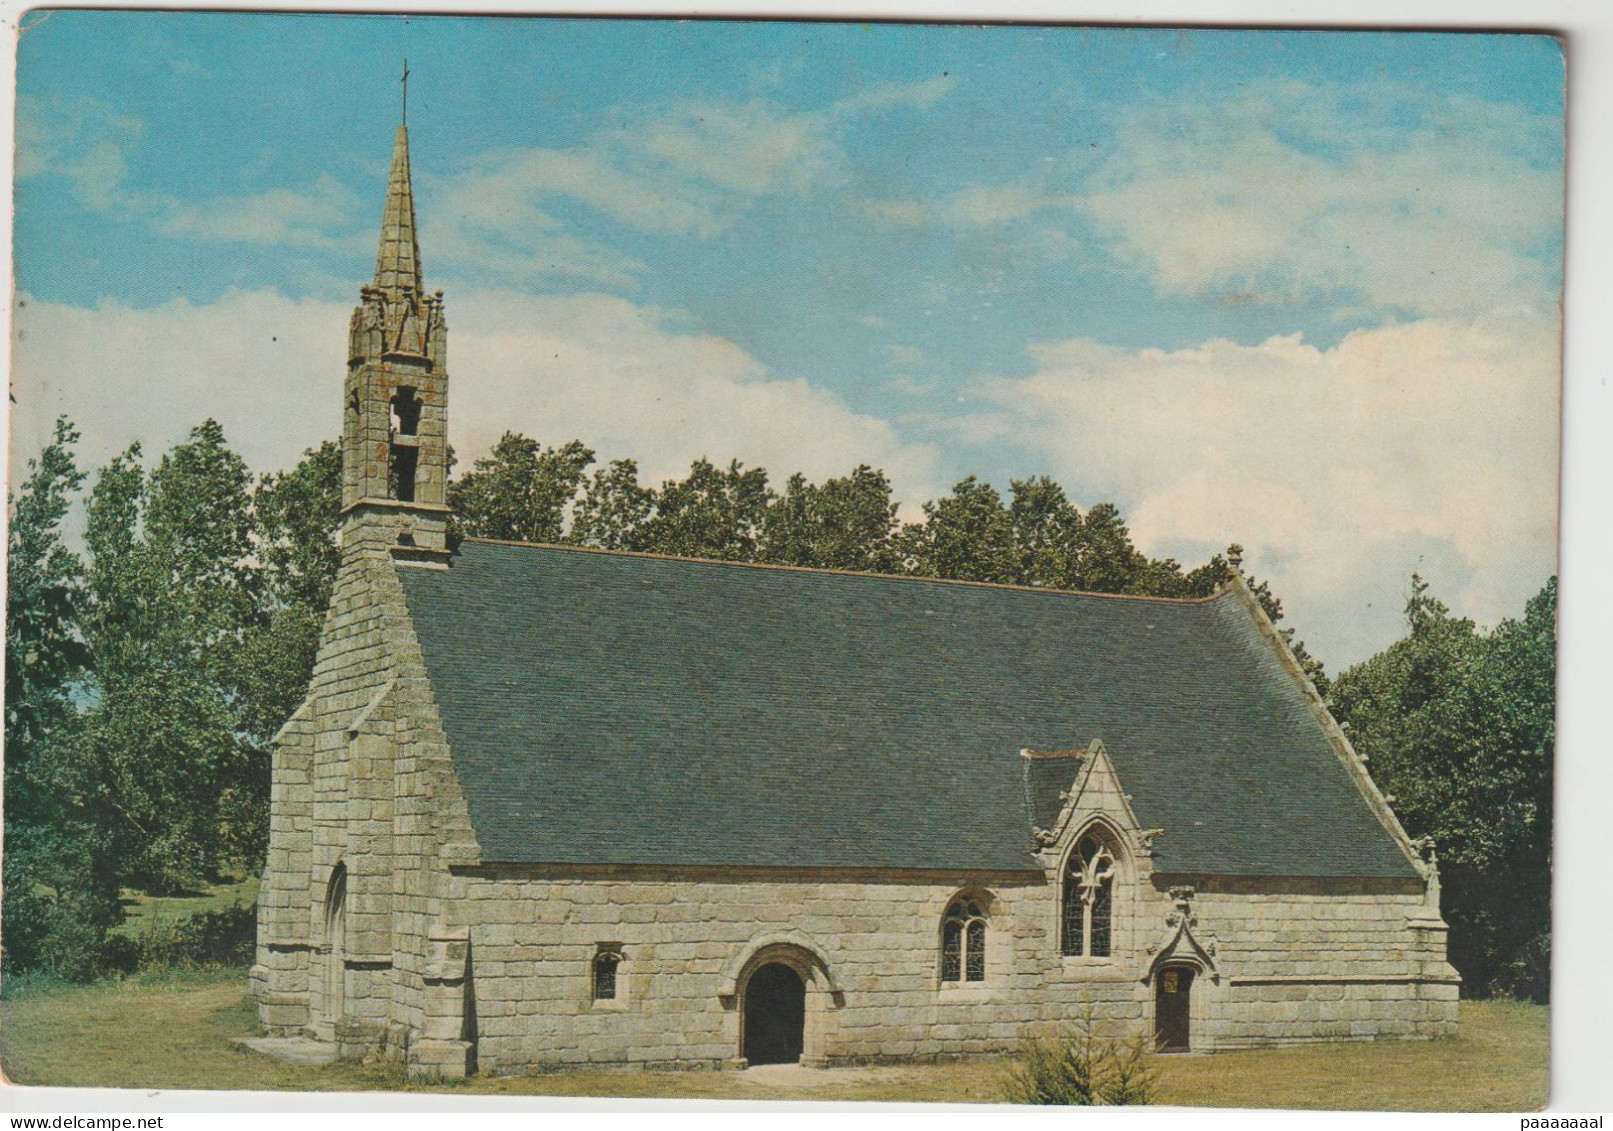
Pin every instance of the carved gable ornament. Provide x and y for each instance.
(1181, 943)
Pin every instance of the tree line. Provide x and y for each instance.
(147, 674)
(1459, 726)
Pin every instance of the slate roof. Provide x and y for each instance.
(615, 708)
(1045, 779)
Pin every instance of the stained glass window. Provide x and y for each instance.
(1102, 905)
(951, 950)
(1088, 906)
(975, 967)
(963, 942)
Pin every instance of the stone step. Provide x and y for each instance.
(297, 1050)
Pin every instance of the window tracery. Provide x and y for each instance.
(1088, 911)
(963, 942)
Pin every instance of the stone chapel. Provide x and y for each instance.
(548, 807)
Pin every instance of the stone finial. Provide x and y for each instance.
(1425, 848)
(1235, 558)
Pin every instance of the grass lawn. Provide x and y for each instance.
(142, 912)
(173, 1031)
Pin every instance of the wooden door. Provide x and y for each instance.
(1173, 991)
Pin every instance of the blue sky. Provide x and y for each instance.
(1293, 289)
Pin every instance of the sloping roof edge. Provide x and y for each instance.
(910, 577)
(1352, 761)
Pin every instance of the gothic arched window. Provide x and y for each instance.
(1088, 920)
(963, 942)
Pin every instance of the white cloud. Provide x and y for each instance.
(1429, 445)
(84, 141)
(276, 218)
(620, 377)
(919, 95)
(502, 191)
(975, 208)
(689, 169)
(1000, 231)
(624, 380)
(753, 148)
(759, 147)
(1429, 205)
(493, 221)
(268, 368)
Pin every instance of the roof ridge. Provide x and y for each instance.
(1219, 593)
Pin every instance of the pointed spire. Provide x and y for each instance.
(397, 264)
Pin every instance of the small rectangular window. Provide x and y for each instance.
(605, 964)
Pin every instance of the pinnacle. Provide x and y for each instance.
(397, 264)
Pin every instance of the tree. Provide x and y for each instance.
(174, 597)
(520, 492)
(45, 651)
(966, 536)
(1106, 561)
(295, 516)
(613, 509)
(1458, 726)
(713, 513)
(847, 523)
(1046, 532)
(59, 891)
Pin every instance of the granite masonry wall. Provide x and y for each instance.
(1288, 967)
(362, 787)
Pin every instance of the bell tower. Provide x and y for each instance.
(395, 400)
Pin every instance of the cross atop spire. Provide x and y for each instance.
(397, 263)
(405, 81)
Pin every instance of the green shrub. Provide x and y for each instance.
(1076, 1066)
(201, 941)
(57, 931)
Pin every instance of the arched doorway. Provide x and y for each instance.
(1173, 995)
(775, 1015)
(336, 945)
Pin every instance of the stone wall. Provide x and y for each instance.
(361, 780)
(1309, 965)
(1287, 967)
